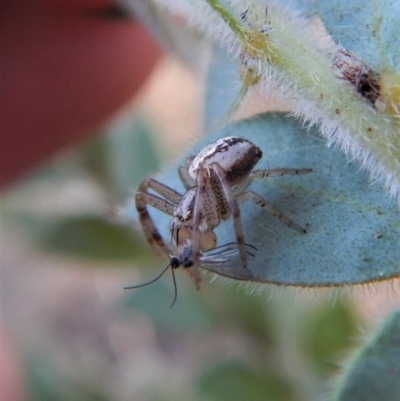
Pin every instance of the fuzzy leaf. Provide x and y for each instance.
(375, 371)
(352, 228)
(355, 106)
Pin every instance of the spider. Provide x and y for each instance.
(215, 181)
(222, 260)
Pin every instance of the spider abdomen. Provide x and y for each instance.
(237, 156)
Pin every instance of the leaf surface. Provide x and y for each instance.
(368, 29)
(374, 372)
(353, 229)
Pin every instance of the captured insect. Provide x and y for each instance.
(223, 260)
(216, 182)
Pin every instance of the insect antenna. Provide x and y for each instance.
(174, 264)
(253, 247)
(175, 287)
(151, 281)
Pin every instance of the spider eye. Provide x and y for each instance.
(186, 217)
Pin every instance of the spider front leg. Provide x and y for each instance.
(205, 218)
(144, 198)
(232, 203)
(203, 182)
(245, 196)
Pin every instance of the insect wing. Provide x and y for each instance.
(226, 263)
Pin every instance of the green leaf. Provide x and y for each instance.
(188, 313)
(47, 381)
(374, 372)
(237, 309)
(234, 381)
(93, 158)
(329, 332)
(91, 237)
(352, 227)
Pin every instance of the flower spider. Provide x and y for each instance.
(215, 180)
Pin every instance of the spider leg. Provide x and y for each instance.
(167, 192)
(276, 172)
(144, 198)
(230, 198)
(245, 196)
(203, 182)
(150, 230)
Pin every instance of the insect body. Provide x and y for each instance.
(215, 180)
(223, 260)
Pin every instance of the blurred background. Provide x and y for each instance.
(68, 329)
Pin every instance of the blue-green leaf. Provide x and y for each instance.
(368, 29)
(353, 229)
(375, 371)
(224, 89)
(132, 152)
